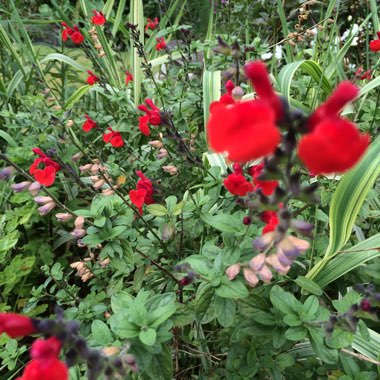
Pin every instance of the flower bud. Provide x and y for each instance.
(46, 208)
(171, 169)
(247, 220)
(162, 154)
(156, 144)
(6, 173)
(250, 277)
(77, 156)
(69, 123)
(78, 233)
(257, 262)
(232, 271)
(99, 184)
(41, 200)
(85, 168)
(21, 186)
(168, 231)
(63, 216)
(79, 222)
(110, 351)
(34, 188)
(265, 274)
(237, 93)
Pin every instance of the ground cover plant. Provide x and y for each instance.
(189, 190)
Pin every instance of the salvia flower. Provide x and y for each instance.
(88, 124)
(270, 218)
(16, 325)
(128, 77)
(267, 187)
(152, 116)
(363, 75)
(161, 44)
(21, 186)
(236, 183)
(114, 138)
(45, 176)
(151, 24)
(34, 188)
(5, 173)
(46, 208)
(246, 130)
(137, 197)
(41, 200)
(98, 18)
(374, 45)
(145, 184)
(75, 35)
(92, 78)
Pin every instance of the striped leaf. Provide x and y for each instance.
(107, 9)
(15, 81)
(5, 41)
(347, 201)
(369, 348)
(65, 59)
(211, 91)
(118, 17)
(216, 159)
(76, 96)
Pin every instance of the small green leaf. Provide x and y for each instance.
(284, 301)
(101, 333)
(231, 289)
(309, 285)
(161, 314)
(157, 210)
(225, 310)
(296, 333)
(292, 320)
(148, 336)
(285, 360)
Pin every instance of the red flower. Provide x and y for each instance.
(362, 76)
(343, 94)
(128, 77)
(66, 32)
(245, 130)
(45, 364)
(46, 176)
(229, 87)
(151, 24)
(334, 145)
(161, 44)
(114, 138)
(77, 37)
(92, 78)
(137, 197)
(88, 124)
(98, 18)
(145, 183)
(152, 116)
(15, 325)
(267, 187)
(236, 184)
(375, 44)
(258, 74)
(271, 220)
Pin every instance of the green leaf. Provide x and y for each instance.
(157, 210)
(8, 138)
(76, 96)
(311, 305)
(225, 310)
(161, 314)
(203, 297)
(285, 360)
(346, 302)
(65, 59)
(231, 289)
(211, 91)
(325, 353)
(292, 320)
(148, 336)
(285, 301)
(221, 222)
(122, 327)
(101, 333)
(340, 338)
(138, 314)
(161, 367)
(296, 333)
(309, 285)
(121, 300)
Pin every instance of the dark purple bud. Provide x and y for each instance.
(44, 326)
(365, 305)
(185, 281)
(247, 220)
(71, 357)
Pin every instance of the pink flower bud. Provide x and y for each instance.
(273, 261)
(265, 274)
(78, 233)
(257, 262)
(21, 186)
(77, 156)
(162, 154)
(232, 271)
(156, 144)
(95, 169)
(171, 169)
(46, 208)
(85, 168)
(34, 188)
(108, 192)
(99, 184)
(6, 173)
(41, 200)
(63, 217)
(250, 277)
(79, 222)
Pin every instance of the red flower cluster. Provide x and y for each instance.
(267, 187)
(74, 33)
(271, 220)
(161, 44)
(152, 116)
(236, 183)
(151, 24)
(128, 77)
(114, 138)
(45, 176)
(15, 325)
(143, 193)
(88, 124)
(362, 75)
(98, 18)
(45, 364)
(246, 130)
(375, 44)
(92, 78)
(334, 144)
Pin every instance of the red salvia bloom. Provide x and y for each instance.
(88, 124)
(267, 187)
(343, 94)
(236, 184)
(45, 176)
(77, 37)
(152, 116)
(229, 86)
(145, 183)
(271, 220)
(66, 32)
(161, 44)
(98, 18)
(45, 364)
(245, 130)
(92, 78)
(128, 77)
(151, 24)
(16, 325)
(375, 44)
(363, 75)
(114, 138)
(137, 197)
(334, 146)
